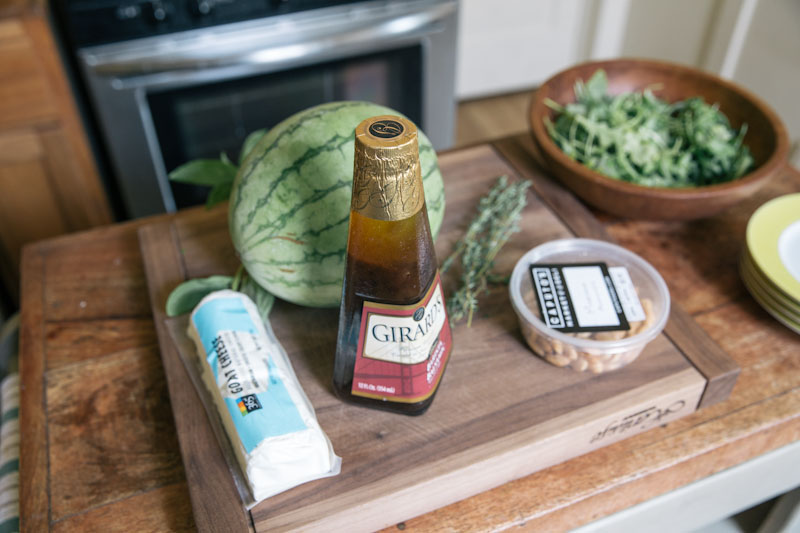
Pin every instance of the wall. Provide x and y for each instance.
(509, 45)
(769, 64)
(753, 42)
(672, 31)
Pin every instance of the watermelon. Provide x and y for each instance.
(290, 202)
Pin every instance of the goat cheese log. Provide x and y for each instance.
(268, 419)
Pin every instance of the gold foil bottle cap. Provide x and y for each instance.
(387, 184)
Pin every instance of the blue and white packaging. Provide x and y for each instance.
(269, 421)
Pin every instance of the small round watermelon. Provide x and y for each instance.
(290, 203)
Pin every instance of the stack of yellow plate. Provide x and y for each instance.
(770, 263)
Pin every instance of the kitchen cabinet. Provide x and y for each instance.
(49, 184)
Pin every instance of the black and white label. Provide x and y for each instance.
(627, 294)
(578, 297)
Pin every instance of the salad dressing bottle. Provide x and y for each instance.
(394, 337)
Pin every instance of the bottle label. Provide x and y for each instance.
(402, 349)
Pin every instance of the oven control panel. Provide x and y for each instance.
(93, 22)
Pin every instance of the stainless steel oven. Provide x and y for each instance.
(168, 81)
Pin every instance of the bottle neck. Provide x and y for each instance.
(387, 186)
(388, 242)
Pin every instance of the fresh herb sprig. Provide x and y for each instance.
(640, 138)
(497, 219)
(216, 174)
(185, 297)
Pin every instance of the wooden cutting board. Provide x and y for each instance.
(501, 413)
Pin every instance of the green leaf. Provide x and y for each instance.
(263, 299)
(597, 86)
(188, 294)
(208, 172)
(218, 194)
(250, 142)
(552, 104)
(637, 137)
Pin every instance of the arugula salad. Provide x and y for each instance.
(639, 138)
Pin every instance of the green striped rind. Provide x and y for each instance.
(290, 201)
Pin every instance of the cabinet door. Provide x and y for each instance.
(34, 204)
(48, 181)
(25, 96)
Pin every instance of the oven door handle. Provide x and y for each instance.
(253, 48)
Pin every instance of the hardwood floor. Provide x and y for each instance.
(489, 118)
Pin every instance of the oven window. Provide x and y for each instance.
(203, 121)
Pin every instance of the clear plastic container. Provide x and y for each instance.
(589, 351)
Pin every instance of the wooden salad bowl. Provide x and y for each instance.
(766, 138)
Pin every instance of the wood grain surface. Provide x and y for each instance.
(48, 178)
(108, 442)
(94, 420)
(215, 500)
(501, 413)
(33, 472)
(89, 291)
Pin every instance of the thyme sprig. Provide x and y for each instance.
(498, 216)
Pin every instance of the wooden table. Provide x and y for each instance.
(99, 450)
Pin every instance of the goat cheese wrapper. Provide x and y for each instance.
(268, 419)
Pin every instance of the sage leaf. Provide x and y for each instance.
(250, 142)
(218, 194)
(188, 294)
(264, 300)
(209, 172)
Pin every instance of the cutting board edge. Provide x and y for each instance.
(383, 507)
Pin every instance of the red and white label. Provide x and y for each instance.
(402, 349)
